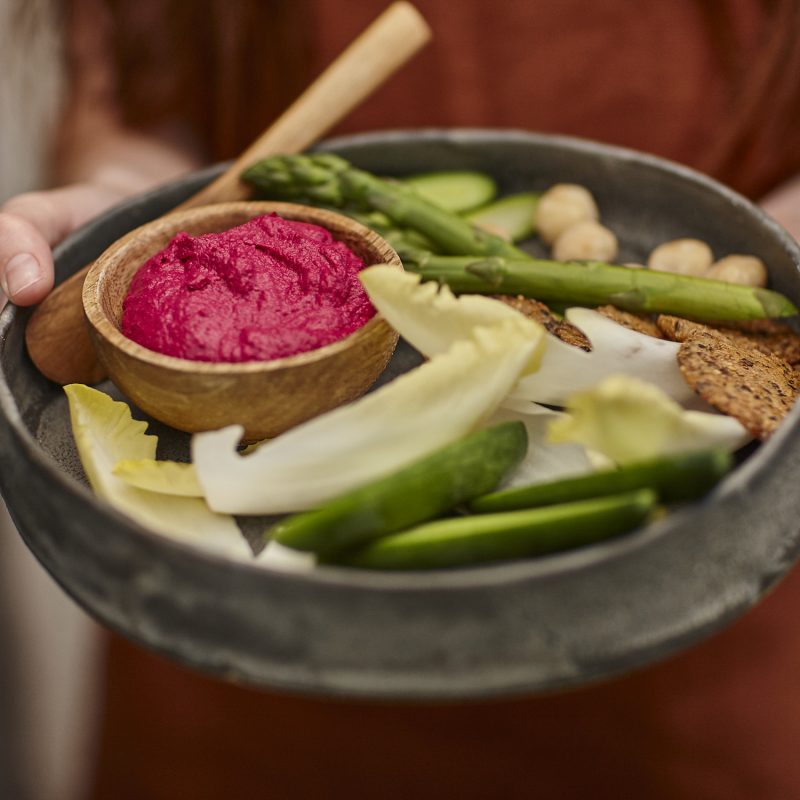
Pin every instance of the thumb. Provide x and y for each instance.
(26, 264)
(32, 223)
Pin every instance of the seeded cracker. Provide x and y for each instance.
(636, 322)
(540, 313)
(768, 336)
(756, 388)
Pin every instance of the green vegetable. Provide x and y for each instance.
(495, 266)
(408, 418)
(499, 537)
(398, 238)
(330, 180)
(424, 490)
(456, 191)
(594, 283)
(674, 478)
(513, 215)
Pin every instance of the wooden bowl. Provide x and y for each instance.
(266, 397)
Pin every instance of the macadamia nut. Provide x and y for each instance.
(748, 270)
(586, 241)
(561, 207)
(682, 256)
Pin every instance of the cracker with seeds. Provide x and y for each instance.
(540, 313)
(768, 336)
(758, 389)
(636, 322)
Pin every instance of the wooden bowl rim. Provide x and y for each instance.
(110, 259)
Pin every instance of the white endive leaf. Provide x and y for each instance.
(616, 350)
(277, 556)
(165, 477)
(430, 317)
(105, 434)
(415, 414)
(630, 420)
(544, 461)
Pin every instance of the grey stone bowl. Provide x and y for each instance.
(510, 628)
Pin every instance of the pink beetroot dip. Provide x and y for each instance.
(267, 289)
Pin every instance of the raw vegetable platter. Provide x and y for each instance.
(521, 626)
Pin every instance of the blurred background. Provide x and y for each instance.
(115, 96)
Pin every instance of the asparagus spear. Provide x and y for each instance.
(594, 283)
(398, 238)
(494, 266)
(330, 180)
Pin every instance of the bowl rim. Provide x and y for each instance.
(102, 325)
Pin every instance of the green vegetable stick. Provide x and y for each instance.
(594, 283)
(494, 266)
(500, 537)
(467, 468)
(674, 478)
(330, 180)
(455, 190)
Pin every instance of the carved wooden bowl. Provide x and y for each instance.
(266, 397)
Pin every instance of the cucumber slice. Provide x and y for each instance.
(465, 469)
(675, 478)
(499, 537)
(456, 191)
(512, 217)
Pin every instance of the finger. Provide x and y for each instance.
(26, 263)
(31, 223)
(783, 205)
(49, 212)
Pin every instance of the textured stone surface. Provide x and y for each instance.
(521, 627)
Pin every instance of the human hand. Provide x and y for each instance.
(32, 223)
(783, 205)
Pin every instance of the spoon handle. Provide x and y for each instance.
(56, 335)
(367, 63)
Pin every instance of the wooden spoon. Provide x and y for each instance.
(57, 335)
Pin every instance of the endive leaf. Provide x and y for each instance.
(406, 419)
(616, 350)
(430, 317)
(105, 434)
(277, 556)
(164, 477)
(544, 460)
(630, 420)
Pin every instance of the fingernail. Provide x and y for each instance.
(21, 272)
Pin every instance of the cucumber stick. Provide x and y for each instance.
(674, 478)
(456, 191)
(427, 488)
(513, 216)
(461, 541)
